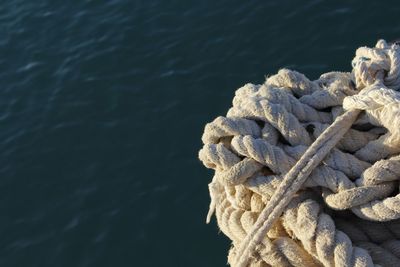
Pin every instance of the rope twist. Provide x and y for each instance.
(307, 172)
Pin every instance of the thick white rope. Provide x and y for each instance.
(292, 182)
(279, 134)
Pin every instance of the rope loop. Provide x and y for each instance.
(297, 162)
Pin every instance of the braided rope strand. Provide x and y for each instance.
(297, 161)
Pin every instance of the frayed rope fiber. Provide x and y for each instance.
(307, 172)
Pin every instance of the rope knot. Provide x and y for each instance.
(380, 63)
(289, 136)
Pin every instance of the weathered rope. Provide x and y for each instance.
(288, 144)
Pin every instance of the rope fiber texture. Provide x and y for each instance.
(307, 172)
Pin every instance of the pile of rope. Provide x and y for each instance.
(307, 172)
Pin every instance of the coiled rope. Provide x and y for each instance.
(307, 172)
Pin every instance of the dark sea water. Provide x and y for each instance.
(103, 104)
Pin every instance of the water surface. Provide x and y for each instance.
(103, 104)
